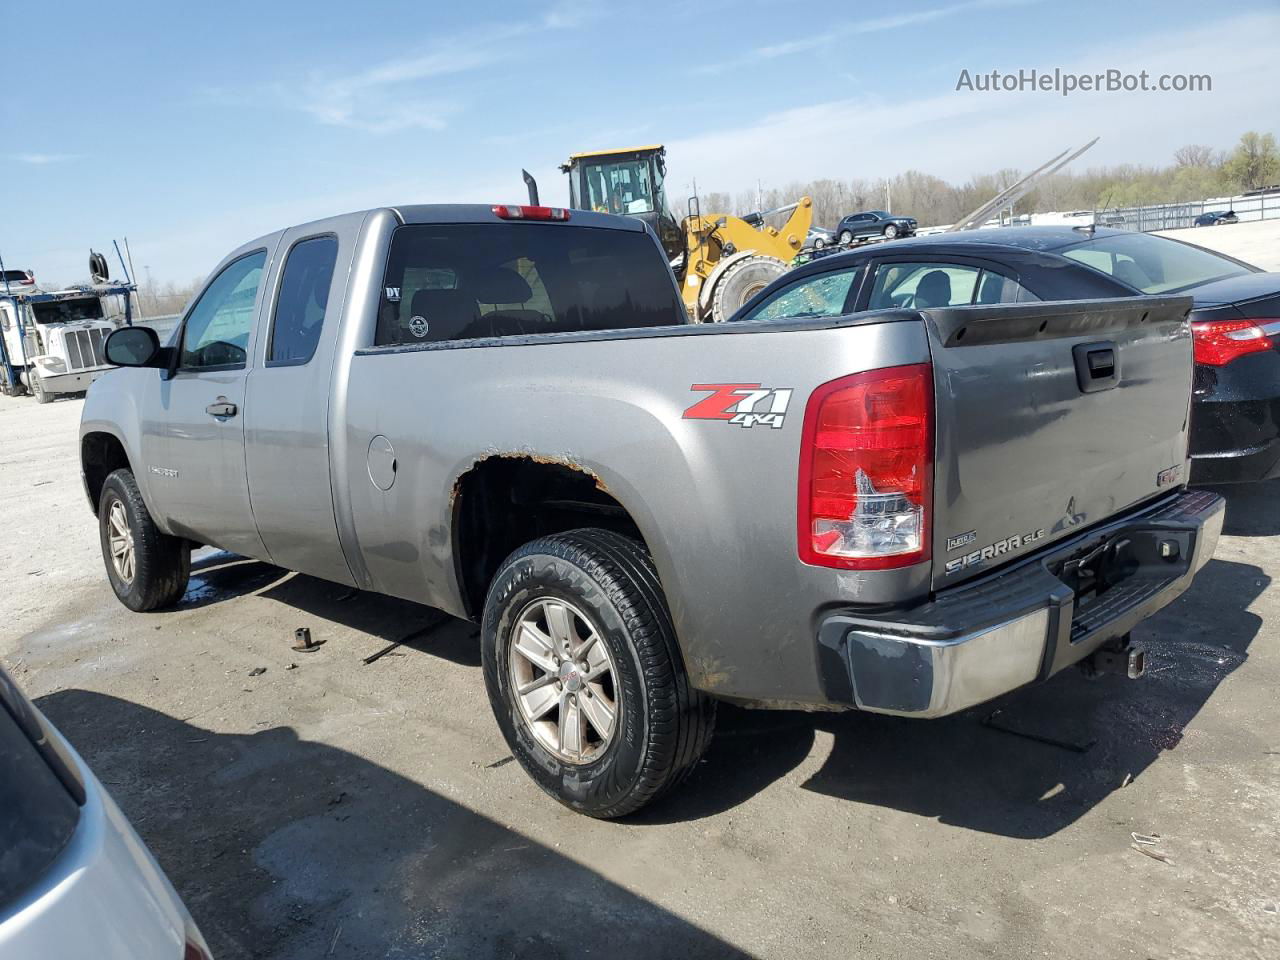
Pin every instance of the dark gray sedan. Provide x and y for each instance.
(1235, 326)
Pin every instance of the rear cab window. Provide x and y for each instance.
(447, 282)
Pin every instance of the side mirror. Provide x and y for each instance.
(134, 347)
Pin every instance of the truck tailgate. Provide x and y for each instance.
(1052, 417)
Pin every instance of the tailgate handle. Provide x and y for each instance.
(1097, 366)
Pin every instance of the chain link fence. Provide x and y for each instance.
(1261, 205)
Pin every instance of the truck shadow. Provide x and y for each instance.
(288, 849)
(964, 773)
(218, 576)
(1251, 508)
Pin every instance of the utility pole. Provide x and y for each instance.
(888, 199)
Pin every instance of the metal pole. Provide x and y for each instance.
(129, 255)
(120, 257)
(10, 377)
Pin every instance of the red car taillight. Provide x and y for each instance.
(1217, 342)
(866, 460)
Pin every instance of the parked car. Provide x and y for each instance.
(1235, 414)
(16, 280)
(75, 879)
(1217, 218)
(874, 223)
(819, 237)
(502, 412)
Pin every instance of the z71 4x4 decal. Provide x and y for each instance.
(746, 404)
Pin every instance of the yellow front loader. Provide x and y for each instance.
(720, 260)
(728, 259)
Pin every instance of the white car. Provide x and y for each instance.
(75, 879)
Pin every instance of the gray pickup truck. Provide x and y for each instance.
(503, 412)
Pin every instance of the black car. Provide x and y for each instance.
(1235, 322)
(874, 223)
(1217, 218)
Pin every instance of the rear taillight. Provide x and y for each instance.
(866, 459)
(1217, 342)
(513, 212)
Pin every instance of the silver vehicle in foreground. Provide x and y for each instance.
(504, 413)
(75, 879)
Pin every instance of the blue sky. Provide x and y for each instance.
(191, 128)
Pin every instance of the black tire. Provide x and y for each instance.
(162, 564)
(39, 392)
(663, 725)
(890, 231)
(741, 281)
(846, 237)
(819, 243)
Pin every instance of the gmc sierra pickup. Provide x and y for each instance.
(503, 412)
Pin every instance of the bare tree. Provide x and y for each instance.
(1193, 155)
(1197, 172)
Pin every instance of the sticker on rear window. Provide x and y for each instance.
(743, 404)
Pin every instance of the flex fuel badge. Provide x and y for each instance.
(744, 404)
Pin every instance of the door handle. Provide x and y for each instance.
(1097, 366)
(221, 408)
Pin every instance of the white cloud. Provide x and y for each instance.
(819, 39)
(955, 134)
(383, 99)
(43, 159)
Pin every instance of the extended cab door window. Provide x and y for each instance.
(216, 333)
(301, 303)
(822, 295)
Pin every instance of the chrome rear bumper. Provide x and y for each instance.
(988, 637)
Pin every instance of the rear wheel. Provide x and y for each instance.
(846, 237)
(819, 243)
(584, 674)
(146, 568)
(742, 281)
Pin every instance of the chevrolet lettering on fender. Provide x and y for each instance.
(505, 413)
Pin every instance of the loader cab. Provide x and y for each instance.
(628, 182)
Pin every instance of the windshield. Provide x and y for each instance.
(1153, 264)
(623, 186)
(68, 311)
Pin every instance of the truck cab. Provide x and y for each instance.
(53, 340)
(626, 182)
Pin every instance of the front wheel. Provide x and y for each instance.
(37, 389)
(890, 231)
(146, 568)
(585, 676)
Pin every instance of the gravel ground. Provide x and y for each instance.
(329, 809)
(1257, 243)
